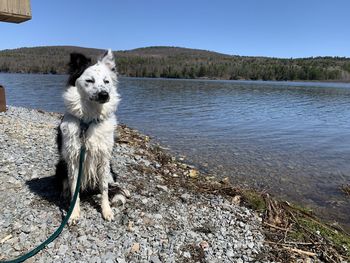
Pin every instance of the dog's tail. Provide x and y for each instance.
(61, 174)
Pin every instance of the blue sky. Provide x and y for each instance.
(278, 28)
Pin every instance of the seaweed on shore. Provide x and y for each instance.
(293, 233)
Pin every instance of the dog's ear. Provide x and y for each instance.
(77, 62)
(108, 60)
(77, 65)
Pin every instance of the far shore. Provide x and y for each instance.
(200, 79)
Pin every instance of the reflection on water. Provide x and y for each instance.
(291, 139)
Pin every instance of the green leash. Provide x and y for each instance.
(65, 220)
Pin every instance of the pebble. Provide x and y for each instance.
(162, 187)
(135, 248)
(250, 245)
(185, 197)
(230, 253)
(63, 249)
(186, 254)
(204, 245)
(155, 259)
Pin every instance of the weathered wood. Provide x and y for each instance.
(2, 99)
(15, 11)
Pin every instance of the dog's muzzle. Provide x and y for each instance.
(103, 97)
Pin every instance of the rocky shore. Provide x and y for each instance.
(175, 213)
(158, 223)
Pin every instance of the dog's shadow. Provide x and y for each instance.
(50, 189)
(47, 190)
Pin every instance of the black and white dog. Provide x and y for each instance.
(91, 99)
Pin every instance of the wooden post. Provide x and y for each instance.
(2, 99)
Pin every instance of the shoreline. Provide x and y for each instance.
(201, 79)
(162, 187)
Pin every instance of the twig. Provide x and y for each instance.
(302, 243)
(290, 243)
(299, 251)
(123, 141)
(330, 259)
(286, 233)
(277, 227)
(2, 241)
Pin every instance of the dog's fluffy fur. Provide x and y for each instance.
(91, 97)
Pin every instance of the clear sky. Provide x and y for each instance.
(278, 28)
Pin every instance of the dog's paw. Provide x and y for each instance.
(73, 221)
(107, 214)
(74, 218)
(119, 199)
(125, 192)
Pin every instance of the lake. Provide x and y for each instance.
(291, 139)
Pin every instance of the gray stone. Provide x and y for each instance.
(250, 245)
(158, 216)
(62, 250)
(162, 187)
(155, 259)
(95, 260)
(186, 254)
(230, 253)
(185, 197)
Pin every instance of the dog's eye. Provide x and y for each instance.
(106, 81)
(90, 80)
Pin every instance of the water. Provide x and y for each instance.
(289, 138)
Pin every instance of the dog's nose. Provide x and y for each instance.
(103, 96)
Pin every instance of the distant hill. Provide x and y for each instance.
(176, 62)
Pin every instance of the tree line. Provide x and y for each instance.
(174, 62)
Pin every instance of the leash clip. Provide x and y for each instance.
(83, 128)
(83, 137)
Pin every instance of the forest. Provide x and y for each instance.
(176, 62)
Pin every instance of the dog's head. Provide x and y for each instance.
(94, 82)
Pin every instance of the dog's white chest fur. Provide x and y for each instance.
(99, 145)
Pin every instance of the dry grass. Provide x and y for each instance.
(345, 189)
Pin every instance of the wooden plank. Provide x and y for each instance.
(4, 6)
(22, 7)
(27, 7)
(18, 7)
(15, 11)
(5, 17)
(12, 7)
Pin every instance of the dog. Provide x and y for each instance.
(91, 99)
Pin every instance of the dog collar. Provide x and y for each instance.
(84, 126)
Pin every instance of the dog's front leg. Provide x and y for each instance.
(72, 179)
(104, 175)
